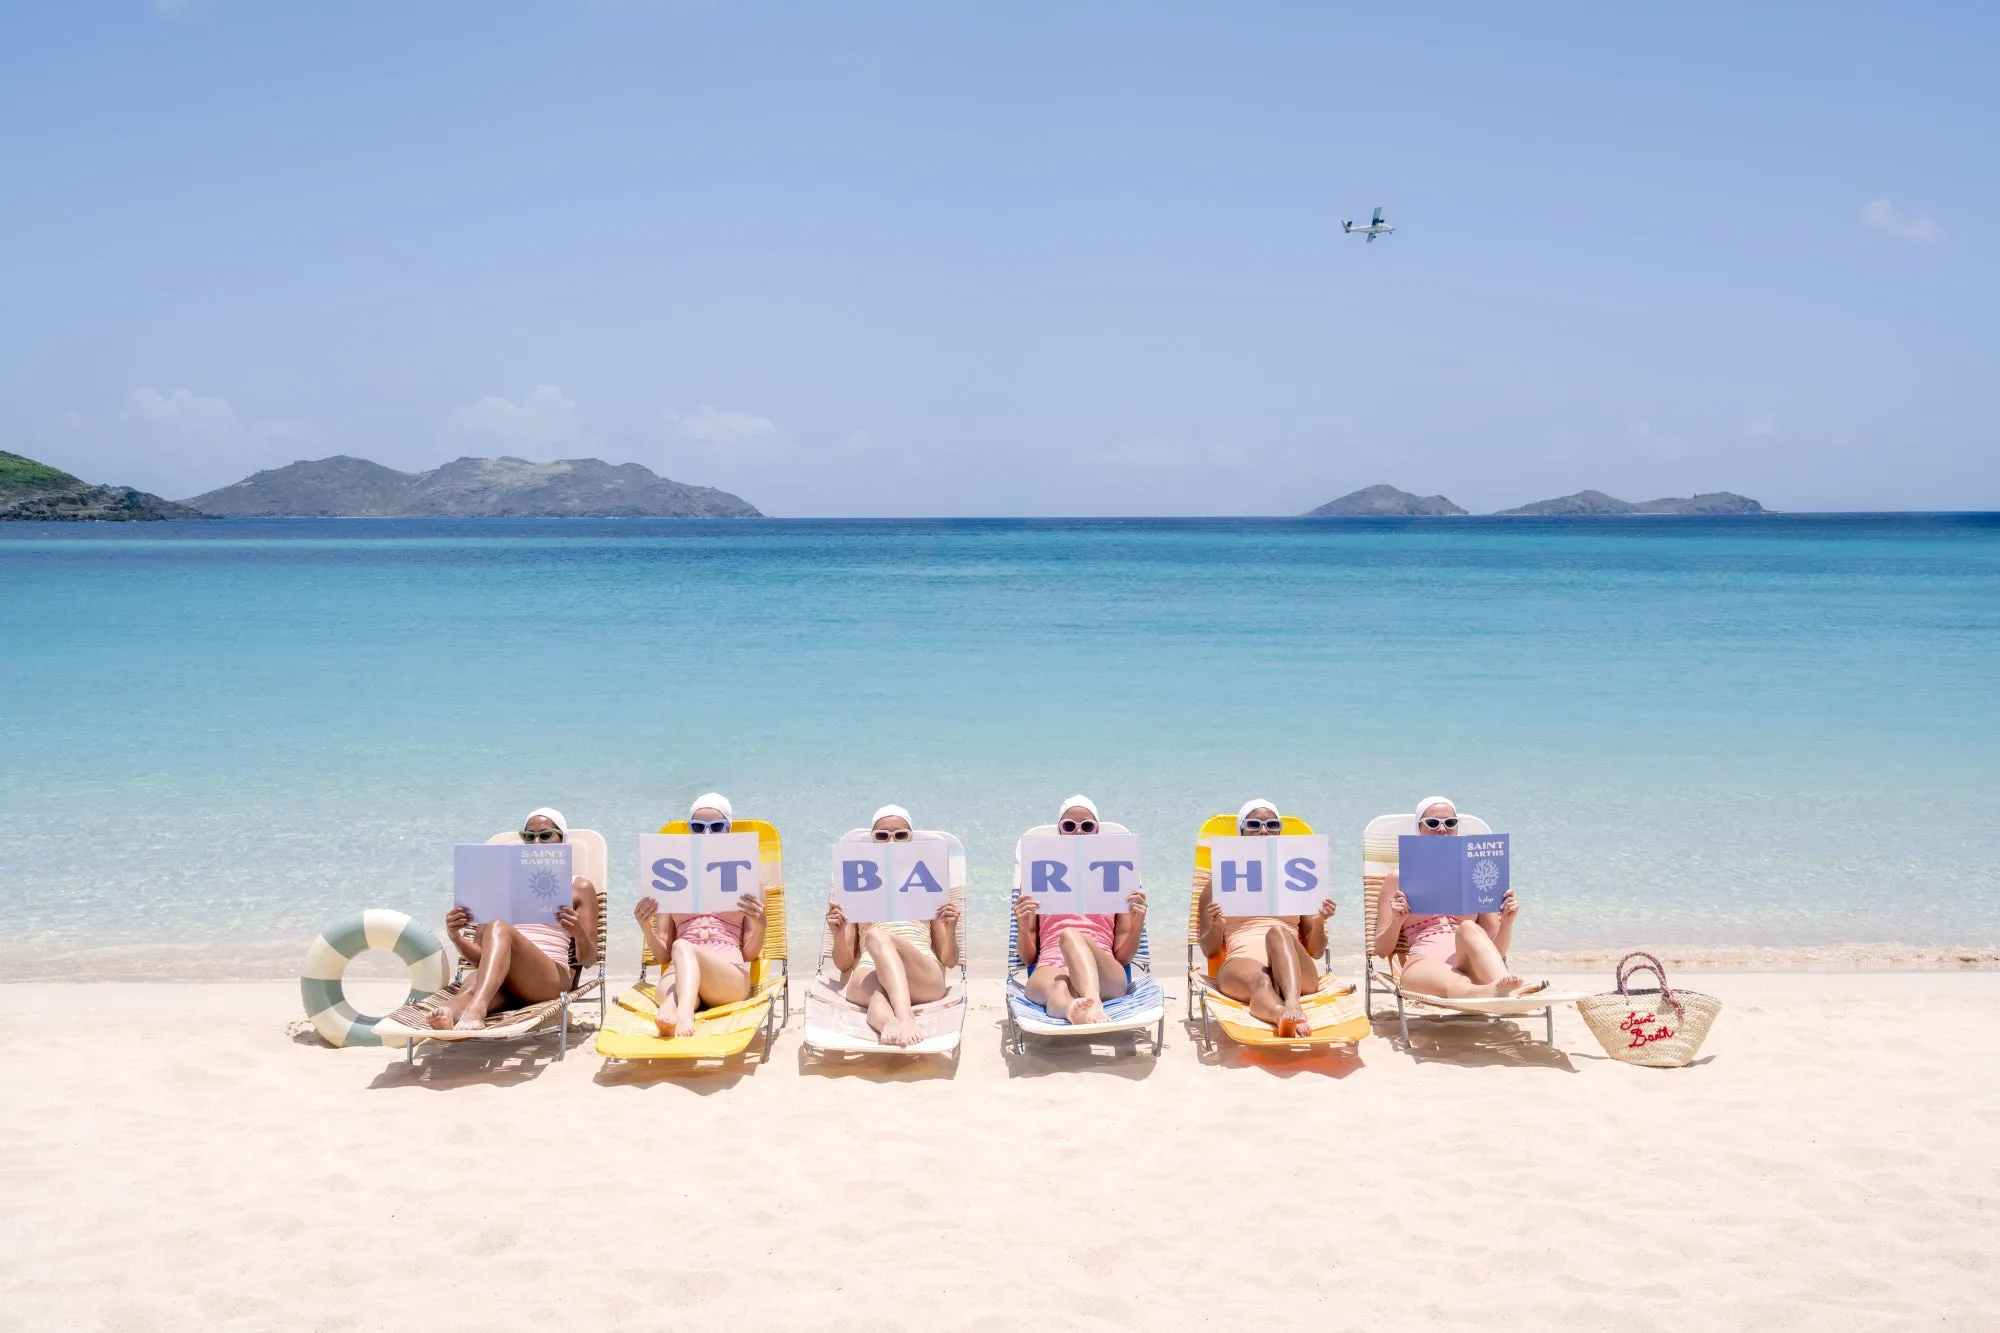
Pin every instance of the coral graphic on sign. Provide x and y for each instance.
(1485, 874)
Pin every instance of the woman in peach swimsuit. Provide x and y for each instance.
(1454, 957)
(888, 967)
(1267, 961)
(1080, 959)
(529, 964)
(705, 956)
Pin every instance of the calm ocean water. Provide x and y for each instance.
(216, 738)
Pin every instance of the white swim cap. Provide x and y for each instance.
(1248, 806)
(712, 800)
(1083, 802)
(553, 816)
(897, 811)
(1430, 801)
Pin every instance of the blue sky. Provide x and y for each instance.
(1012, 259)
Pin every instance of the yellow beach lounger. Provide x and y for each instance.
(728, 1029)
(834, 1023)
(1379, 852)
(587, 858)
(1338, 1018)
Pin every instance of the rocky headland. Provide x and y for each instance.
(32, 492)
(344, 487)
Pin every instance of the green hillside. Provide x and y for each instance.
(24, 476)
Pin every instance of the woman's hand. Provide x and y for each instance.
(949, 915)
(1136, 904)
(1326, 908)
(566, 918)
(1212, 918)
(1024, 912)
(836, 918)
(752, 907)
(1509, 905)
(458, 920)
(645, 912)
(1396, 904)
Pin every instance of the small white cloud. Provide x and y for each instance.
(185, 413)
(720, 427)
(1916, 228)
(545, 423)
(1761, 427)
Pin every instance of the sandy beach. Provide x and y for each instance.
(177, 1157)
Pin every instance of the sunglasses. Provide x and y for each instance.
(1262, 825)
(1442, 823)
(541, 835)
(892, 835)
(1078, 826)
(708, 826)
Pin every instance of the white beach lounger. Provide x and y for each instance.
(1379, 852)
(833, 1023)
(1143, 1006)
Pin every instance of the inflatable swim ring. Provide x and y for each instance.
(326, 965)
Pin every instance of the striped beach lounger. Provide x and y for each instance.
(1143, 1006)
(1337, 1015)
(833, 1023)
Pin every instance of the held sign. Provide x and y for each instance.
(697, 872)
(523, 883)
(892, 881)
(1282, 876)
(1093, 873)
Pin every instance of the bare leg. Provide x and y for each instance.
(893, 977)
(1244, 978)
(507, 959)
(1088, 1004)
(1050, 988)
(685, 995)
(1479, 958)
(1285, 976)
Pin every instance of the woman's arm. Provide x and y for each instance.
(658, 928)
(1127, 927)
(1214, 935)
(580, 920)
(752, 906)
(1391, 909)
(846, 938)
(944, 935)
(1500, 925)
(1312, 928)
(1027, 929)
(456, 922)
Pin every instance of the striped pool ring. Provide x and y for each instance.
(326, 965)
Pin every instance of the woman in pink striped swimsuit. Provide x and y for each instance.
(706, 955)
(1080, 959)
(1455, 957)
(528, 964)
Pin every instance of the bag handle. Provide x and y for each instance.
(1627, 969)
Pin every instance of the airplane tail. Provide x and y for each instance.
(1345, 225)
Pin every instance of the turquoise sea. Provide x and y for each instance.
(216, 738)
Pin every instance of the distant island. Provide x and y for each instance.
(32, 492)
(1388, 502)
(344, 487)
(1385, 502)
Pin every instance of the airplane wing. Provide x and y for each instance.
(1378, 219)
(1371, 238)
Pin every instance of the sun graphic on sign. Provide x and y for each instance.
(1485, 875)
(544, 885)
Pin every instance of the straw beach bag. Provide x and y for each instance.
(1663, 1028)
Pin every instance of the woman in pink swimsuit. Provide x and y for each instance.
(1267, 961)
(1455, 957)
(1079, 959)
(529, 964)
(707, 955)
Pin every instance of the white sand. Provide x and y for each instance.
(1832, 1164)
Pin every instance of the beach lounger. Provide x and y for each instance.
(833, 1023)
(589, 858)
(1141, 1007)
(1379, 852)
(728, 1029)
(1337, 1015)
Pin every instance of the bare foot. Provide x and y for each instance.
(440, 1020)
(1532, 987)
(469, 1023)
(1083, 1009)
(899, 1031)
(1508, 986)
(679, 1023)
(1292, 1022)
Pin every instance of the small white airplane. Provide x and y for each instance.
(1376, 228)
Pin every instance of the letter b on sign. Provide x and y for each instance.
(859, 876)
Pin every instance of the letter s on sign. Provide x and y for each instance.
(667, 876)
(1299, 875)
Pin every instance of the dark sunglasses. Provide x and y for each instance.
(708, 826)
(892, 835)
(541, 835)
(1078, 826)
(1442, 823)
(1255, 825)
